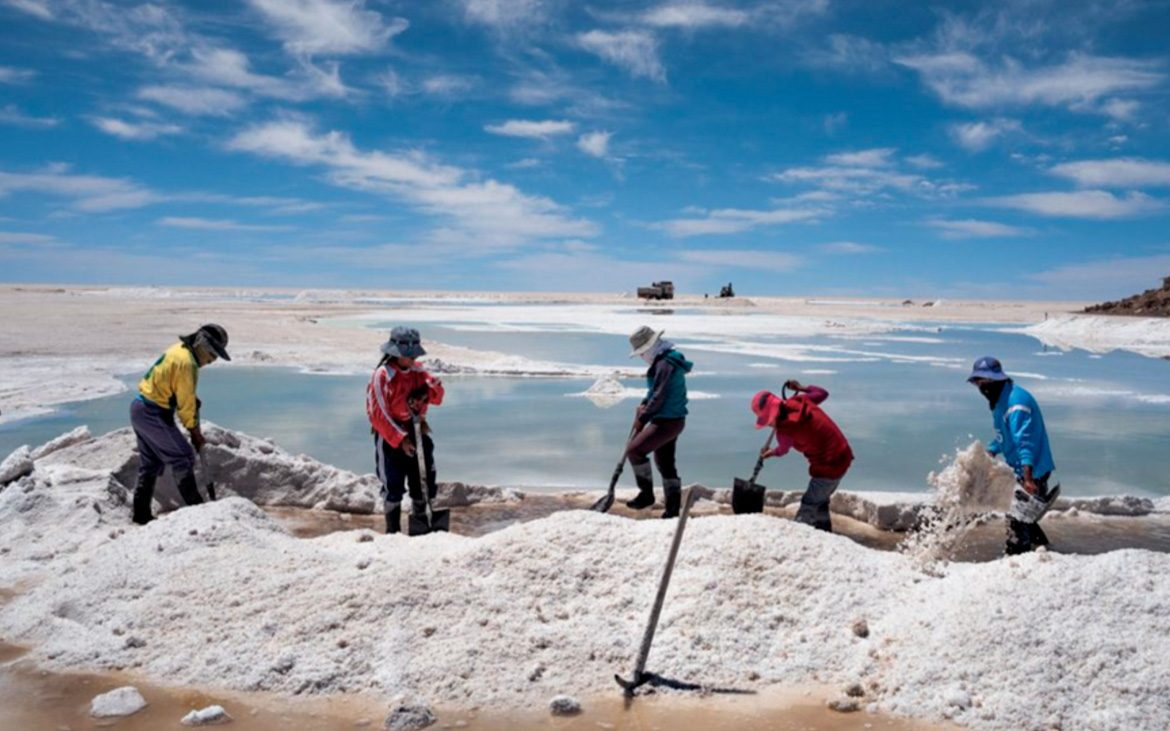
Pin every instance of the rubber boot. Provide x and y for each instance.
(644, 476)
(394, 519)
(143, 496)
(672, 490)
(189, 491)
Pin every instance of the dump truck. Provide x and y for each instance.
(657, 291)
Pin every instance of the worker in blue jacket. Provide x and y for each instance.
(1021, 438)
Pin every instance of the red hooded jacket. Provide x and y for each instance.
(803, 425)
(386, 399)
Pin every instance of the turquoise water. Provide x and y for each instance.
(1107, 419)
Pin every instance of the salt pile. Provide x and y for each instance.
(608, 391)
(1017, 643)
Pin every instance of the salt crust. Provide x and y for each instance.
(1149, 336)
(220, 592)
(124, 701)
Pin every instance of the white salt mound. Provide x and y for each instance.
(125, 701)
(16, 465)
(209, 716)
(608, 391)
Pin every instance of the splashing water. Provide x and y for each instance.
(969, 490)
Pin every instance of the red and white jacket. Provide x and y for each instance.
(386, 399)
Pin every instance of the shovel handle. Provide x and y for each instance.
(760, 460)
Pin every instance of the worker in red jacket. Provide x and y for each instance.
(399, 388)
(801, 424)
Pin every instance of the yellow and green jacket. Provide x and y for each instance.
(171, 383)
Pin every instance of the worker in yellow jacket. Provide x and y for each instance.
(169, 387)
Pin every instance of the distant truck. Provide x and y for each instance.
(657, 291)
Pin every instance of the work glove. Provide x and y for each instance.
(197, 440)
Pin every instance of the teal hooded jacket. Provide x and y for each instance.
(666, 387)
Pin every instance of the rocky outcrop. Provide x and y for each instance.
(1151, 303)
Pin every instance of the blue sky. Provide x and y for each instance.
(1015, 149)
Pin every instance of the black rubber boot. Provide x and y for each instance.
(143, 496)
(394, 519)
(644, 476)
(189, 491)
(672, 496)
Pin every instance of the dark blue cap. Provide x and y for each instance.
(989, 368)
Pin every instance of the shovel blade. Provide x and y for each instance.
(603, 504)
(416, 525)
(747, 496)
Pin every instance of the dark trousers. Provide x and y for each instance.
(1026, 536)
(659, 438)
(160, 443)
(396, 470)
(814, 504)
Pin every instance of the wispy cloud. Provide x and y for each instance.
(216, 224)
(772, 261)
(39, 8)
(634, 51)
(595, 144)
(923, 162)
(448, 84)
(90, 193)
(866, 173)
(694, 15)
(227, 67)
(970, 228)
(876, 157)
(11, 114)
(197, 101)
(849, 54)
(978, 136)
(25, 238)
(311, 27)
(488, 208)
(134, 130)
(538, 129)
(1079, 83)
(735, 220)
(1125, 172)
(1090, 204)
(1111, 277)
(504, 15)
(848, 247)
(12, 75)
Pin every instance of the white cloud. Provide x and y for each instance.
(970, 228)
(542, 129)
(923, 162)
(39, 8)
(21, 237)
(151, 29)
(228, 67)
(773, 261)
(595, 144)
(961, 79)
(484, 212)
(876, 157)
(735, 220)
(1120, 276)
(134, 130)
(448, 84)
(10, 114)
(1092, 204)
(1125, 172)
(848, 247)
(89, 193)
(694, 15)
(634, 51)
(215, 224)
(978, 136)
(503, 14)
(311, 27)
(849, 53)
(525, 164)
(201, 101)
(12, 75)
(1123, 110)
(392, 83)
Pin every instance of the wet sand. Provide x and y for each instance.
(1075, 534)
(33, 700)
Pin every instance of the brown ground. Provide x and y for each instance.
(1151, 303)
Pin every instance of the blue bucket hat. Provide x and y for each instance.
(404, 342)
(989, 368)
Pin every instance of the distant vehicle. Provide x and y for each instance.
(726, 291)
(657, 291)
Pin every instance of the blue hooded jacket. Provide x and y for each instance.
(666, 387)
(1020, 435)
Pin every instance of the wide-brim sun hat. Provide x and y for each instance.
(404, 342)
(643, 339)
(214, 336)
(987, 368)
(766, 407)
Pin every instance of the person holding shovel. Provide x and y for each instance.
(1021, 438)
(400, 391)
(658, 420)
(801, 424)
(166, 389)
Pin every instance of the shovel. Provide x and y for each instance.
(210, 486)
(747, 496)
(605, 502)
(434, 519)
(640, 676)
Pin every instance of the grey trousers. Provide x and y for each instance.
(814, 505)
(160, 443)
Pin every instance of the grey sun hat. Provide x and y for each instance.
(211, 335)
(404, 342)
(644, 339)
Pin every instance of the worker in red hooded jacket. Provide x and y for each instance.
(801, 424)
(399, 389)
